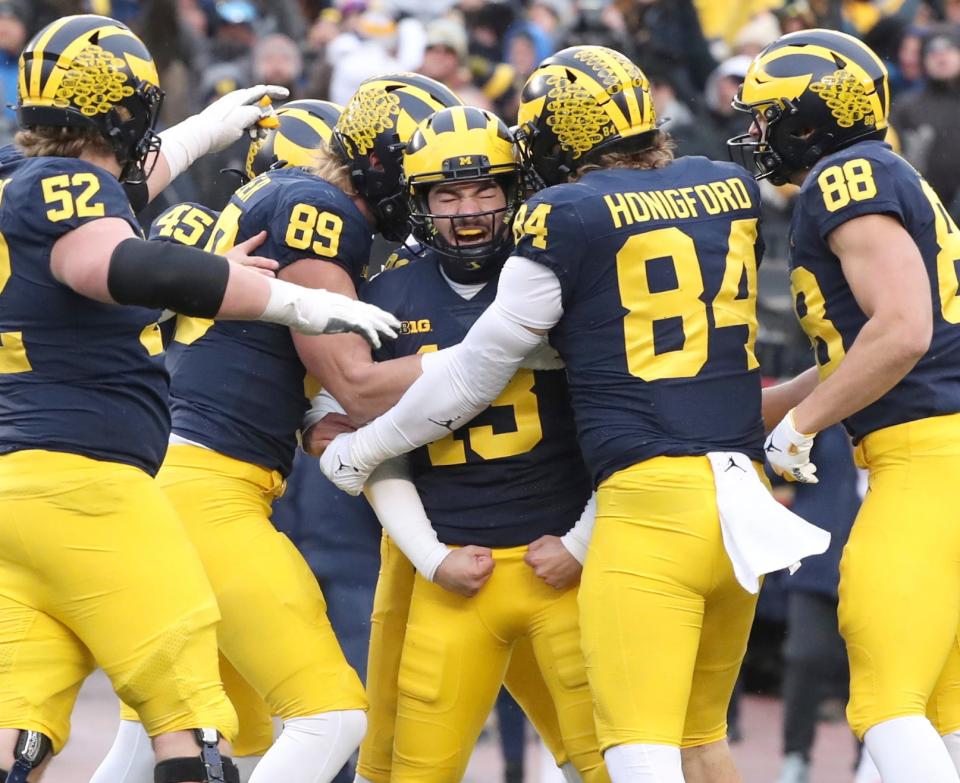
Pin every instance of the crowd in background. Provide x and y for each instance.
(695, 53)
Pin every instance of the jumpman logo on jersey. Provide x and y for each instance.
(733, 464)
(448, 424)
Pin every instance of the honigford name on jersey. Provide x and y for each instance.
(709, 198)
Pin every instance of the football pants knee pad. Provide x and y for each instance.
(31, 751)
(209, 766)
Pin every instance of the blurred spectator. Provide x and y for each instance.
(524, 46)
(691, 136)
(277, 60)
(488, 24)
(325, 29)
(667, 33)
(374, 55)
(445, 59)
(234, 33)
(927, 120)
(13, 36)
(761, 30)
(910, 60)
(553, 17)
(497, 82)
(814, 653)
(720, 122)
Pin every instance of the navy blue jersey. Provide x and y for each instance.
(238, 387)
(658, 270)
(864, 179)
(75, 375)
(515, 472)
(182, 224)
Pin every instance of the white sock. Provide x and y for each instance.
(640, 763)
(952, 741)
(570, 774)
(909, 750)
(867, 771)
(312, 749)
(130, 758)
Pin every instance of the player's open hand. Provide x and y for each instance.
(320, 435)
(464, 571)
(553, 563)
(788, 452)
(242, 254)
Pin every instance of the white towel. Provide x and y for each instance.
(759, 534)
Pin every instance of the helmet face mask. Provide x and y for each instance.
(467, 152)
(810, 93)
(370, 136)
(98, 76)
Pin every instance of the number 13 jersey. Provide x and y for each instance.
(658, 271)
(869, 178)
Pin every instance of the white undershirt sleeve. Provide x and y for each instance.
(577, 539)
(459, 382)
(397, 504)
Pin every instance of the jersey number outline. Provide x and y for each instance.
(484, 442)
(948, 257)
(306, 221)
(181, 217)
(853, 181)
(645, 308)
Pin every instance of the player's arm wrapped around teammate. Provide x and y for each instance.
(395, 500)
(457, 383)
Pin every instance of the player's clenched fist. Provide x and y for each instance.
(464, 571)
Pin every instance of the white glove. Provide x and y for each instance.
(315, 311)
(340, 466)
(788, 452)
(217, 126)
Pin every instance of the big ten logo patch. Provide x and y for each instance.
(420, 326)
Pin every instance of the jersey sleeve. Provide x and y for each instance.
(548, 229)
(309, 224)
(848, 189)
(67, 193)
(184, 224)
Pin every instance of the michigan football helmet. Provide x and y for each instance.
(304, 126)
(579, 103)
(375, 125)
(463, 144)
(91, 72)
(811, 92)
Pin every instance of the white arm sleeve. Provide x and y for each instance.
(397, 504)
(459, 382)
(577, 539)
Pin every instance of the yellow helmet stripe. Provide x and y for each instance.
(74, 48)
(459, 120)
(36, 64)
(635, 109)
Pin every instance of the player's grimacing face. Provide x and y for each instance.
(462, 201)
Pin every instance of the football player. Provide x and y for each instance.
(462, 161)
(644, 270)
(83, 402)
(874, 277)
(238, 394)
